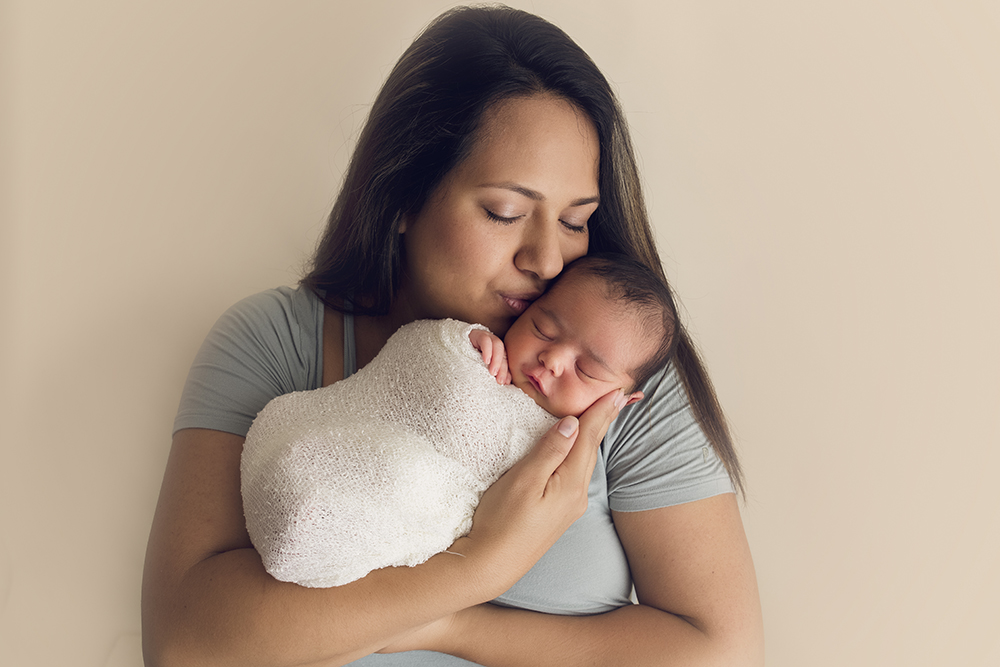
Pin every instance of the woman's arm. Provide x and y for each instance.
(206, 597)
(693, 562)
(698, 603)
(208, 601)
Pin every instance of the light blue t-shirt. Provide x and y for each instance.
(654, 455)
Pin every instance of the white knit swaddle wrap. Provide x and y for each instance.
(386, 467)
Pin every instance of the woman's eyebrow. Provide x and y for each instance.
(535, 195)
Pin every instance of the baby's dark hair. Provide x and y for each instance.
(634, 284)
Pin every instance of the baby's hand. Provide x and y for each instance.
(494, 355)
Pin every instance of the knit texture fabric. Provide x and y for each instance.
(386, 467)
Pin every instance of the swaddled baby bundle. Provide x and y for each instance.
(386, 467)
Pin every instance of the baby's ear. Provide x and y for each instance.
(635, 396)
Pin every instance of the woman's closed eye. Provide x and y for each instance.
(577, 229)
(509, 220)
(495, 217)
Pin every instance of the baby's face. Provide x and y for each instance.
(574, 345)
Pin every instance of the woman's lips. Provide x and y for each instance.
(519, 302)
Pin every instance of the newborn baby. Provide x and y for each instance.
(386, 467)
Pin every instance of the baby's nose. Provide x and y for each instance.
(552, 360)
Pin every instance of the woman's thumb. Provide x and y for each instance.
(554, 446)
(567, 427)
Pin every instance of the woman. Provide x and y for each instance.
(494, 154)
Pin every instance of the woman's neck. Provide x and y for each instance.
(372, 332)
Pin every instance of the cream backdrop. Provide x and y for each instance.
(825, 182)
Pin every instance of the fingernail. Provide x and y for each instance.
(567, 426)
(620, 400)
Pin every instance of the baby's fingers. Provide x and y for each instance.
(503, 373)
(483, 342)
(499, 360)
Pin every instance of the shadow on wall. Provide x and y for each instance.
(126, 652)
(5, 577)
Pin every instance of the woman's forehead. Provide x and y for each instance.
(532, 136)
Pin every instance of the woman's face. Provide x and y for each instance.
(506, 220)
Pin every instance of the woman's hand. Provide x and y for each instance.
(532, 505)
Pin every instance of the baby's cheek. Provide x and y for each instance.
(550, 406)
(584, 399)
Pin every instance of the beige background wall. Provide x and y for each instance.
(825, 180)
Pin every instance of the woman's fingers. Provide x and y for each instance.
(533, 504)
(578, 465)
(566, 455)
(541, 462)
(519, 496)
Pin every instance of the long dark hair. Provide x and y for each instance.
(423, 123)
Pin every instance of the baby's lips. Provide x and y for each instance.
(536, 384)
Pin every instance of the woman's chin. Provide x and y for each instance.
(498, 325)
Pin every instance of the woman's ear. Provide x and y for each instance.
(403, 220)
(634, 396)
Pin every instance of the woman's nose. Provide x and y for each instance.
(540, 252)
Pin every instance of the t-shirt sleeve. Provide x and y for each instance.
(657, 454)
(266, 345)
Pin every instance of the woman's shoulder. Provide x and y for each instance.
(287, 319)
(263, 346)
(294, 307)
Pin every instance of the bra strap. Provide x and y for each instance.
(350, 349)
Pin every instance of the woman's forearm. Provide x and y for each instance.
(692, 559)
(227, 611)
(207, 599)
(632, 635)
